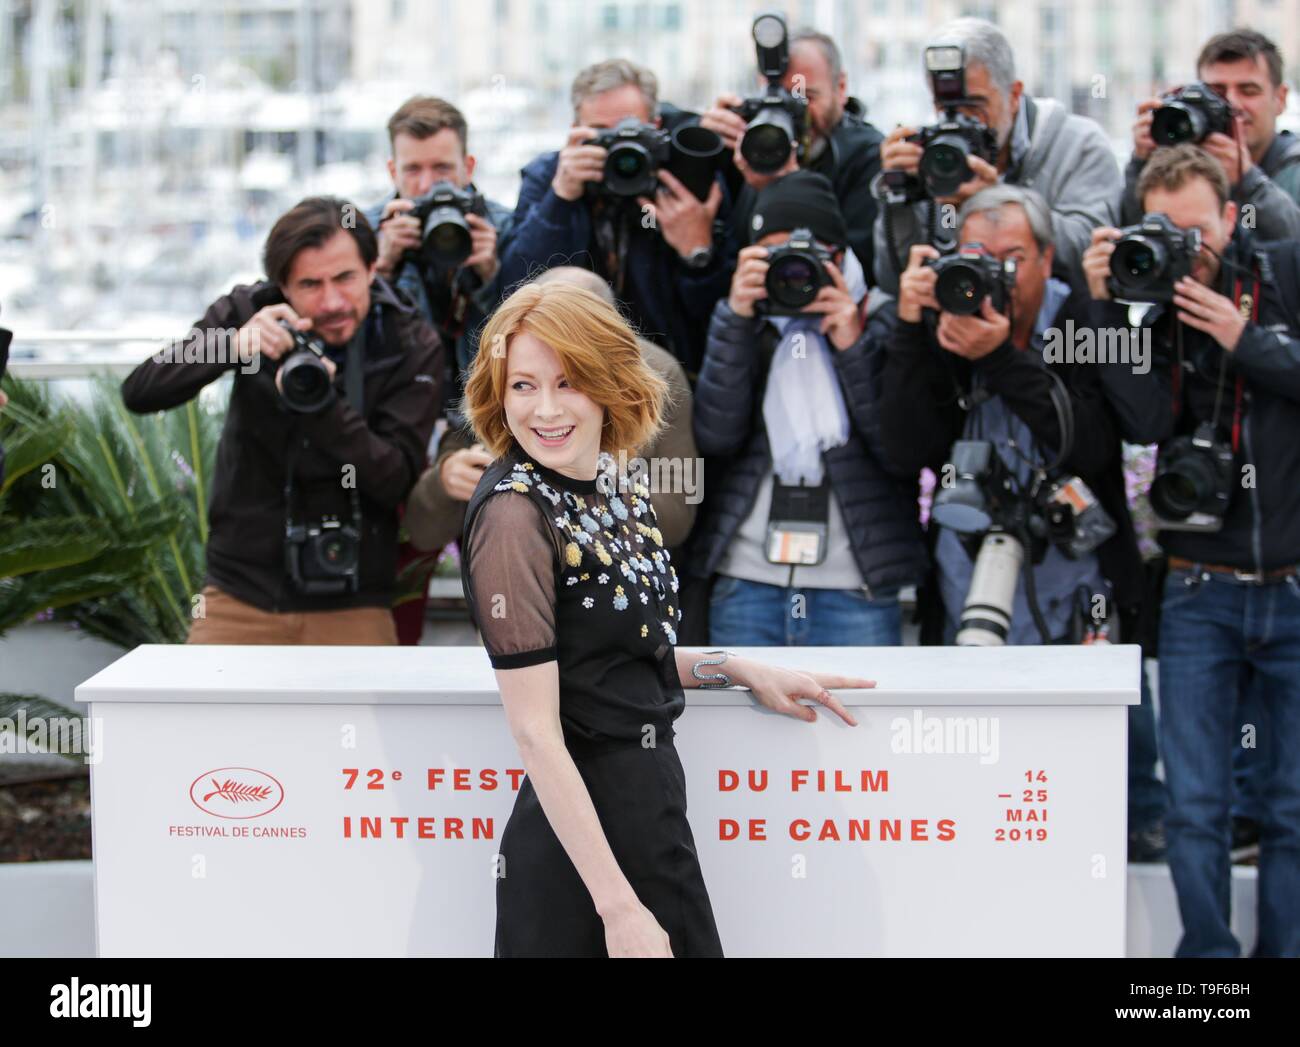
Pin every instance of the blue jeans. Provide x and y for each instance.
(1249, 765)
(752, 614)
(1147, 801)
(1213, 629)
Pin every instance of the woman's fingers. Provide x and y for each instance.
(833, 680)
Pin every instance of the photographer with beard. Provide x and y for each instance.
(321, 441)
(842, 144)
(1222, 399)
(1063, 157)
(807, 536)
(667, 259)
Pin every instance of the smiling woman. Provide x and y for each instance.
(576, 598)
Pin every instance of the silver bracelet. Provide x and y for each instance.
(718, 679)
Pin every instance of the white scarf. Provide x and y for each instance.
(803, 407)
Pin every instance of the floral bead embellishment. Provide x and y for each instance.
(587, 601)
(588, 523)
(620, 599)
(670, 632)
(549, 492)
(620, 510)
(572, 554)
(645, 630)
(602, 578)
(602, 554)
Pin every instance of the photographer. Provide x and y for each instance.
(987, 376)
(1222, 399)
(429, 140)
(842, 145)
(435, 512)
(1262, 165)
(337, 385)
(1035, 143)
(667, 258)
(809, 535)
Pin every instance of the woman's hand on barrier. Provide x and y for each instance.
(780, 689)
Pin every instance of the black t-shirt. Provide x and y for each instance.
(558, 569)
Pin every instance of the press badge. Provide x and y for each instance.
(796, 523)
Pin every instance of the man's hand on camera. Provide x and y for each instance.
(1233, 156)
(754, 179)
(1143, 144)
(263, 333)
(683, 220)
(399, 232)
(461, 471)
(898, 154)
(483, 247)
(1096, 262)
(842, 322)
(578, 164)
(983, 176)
(974, 337)
(748, 282)
(916, 285)
(1208, 311)
(723, 122)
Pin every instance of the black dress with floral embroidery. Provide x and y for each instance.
(575, 572)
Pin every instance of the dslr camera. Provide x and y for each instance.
(949, 142)
(980, 499)
(636, 152)
(305, 385)
(1194, 482)
(776, 121)
(445, 240)
(1150, 258)
(796, 272)
(322, 558)
(968, 275)
(1190, 114)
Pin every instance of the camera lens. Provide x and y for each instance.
(943, 164)
(336, 552)
(1178, 122)
(767, 142)
(627, 170)
(793, 281)
(960, 289)
(1138, 261)
(304, 382)
(1185, 484)
(447, 240)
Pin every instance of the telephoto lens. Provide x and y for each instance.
(768, 139)
(305, 384)
(990, 601)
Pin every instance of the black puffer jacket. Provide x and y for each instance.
(879, 509)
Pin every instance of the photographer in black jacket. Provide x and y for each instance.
(809, 535)
(1222, 399)
(995, 375)
(842, 144)
(321, 441)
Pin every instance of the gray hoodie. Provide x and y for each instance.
(1068, 160)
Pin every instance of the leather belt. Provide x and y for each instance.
(1276, 574)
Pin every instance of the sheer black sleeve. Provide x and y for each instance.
(511, 562)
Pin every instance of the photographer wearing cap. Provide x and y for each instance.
(841, 143)
(434, 244)
(809, 535)
(1008, 138)
(665, 253)
(1032, 537)
(337, 385)
(1237, 125)
(1222, 399)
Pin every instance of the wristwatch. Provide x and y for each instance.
(699, 258)
(718, 679)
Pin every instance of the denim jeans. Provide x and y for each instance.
(1248, 765)
(751, 614)
(1213, 629)
(1147, 801)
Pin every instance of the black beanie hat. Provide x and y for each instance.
(799, 200)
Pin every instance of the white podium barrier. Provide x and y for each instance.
(293, 801)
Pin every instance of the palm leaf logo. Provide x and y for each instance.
(237, 792)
